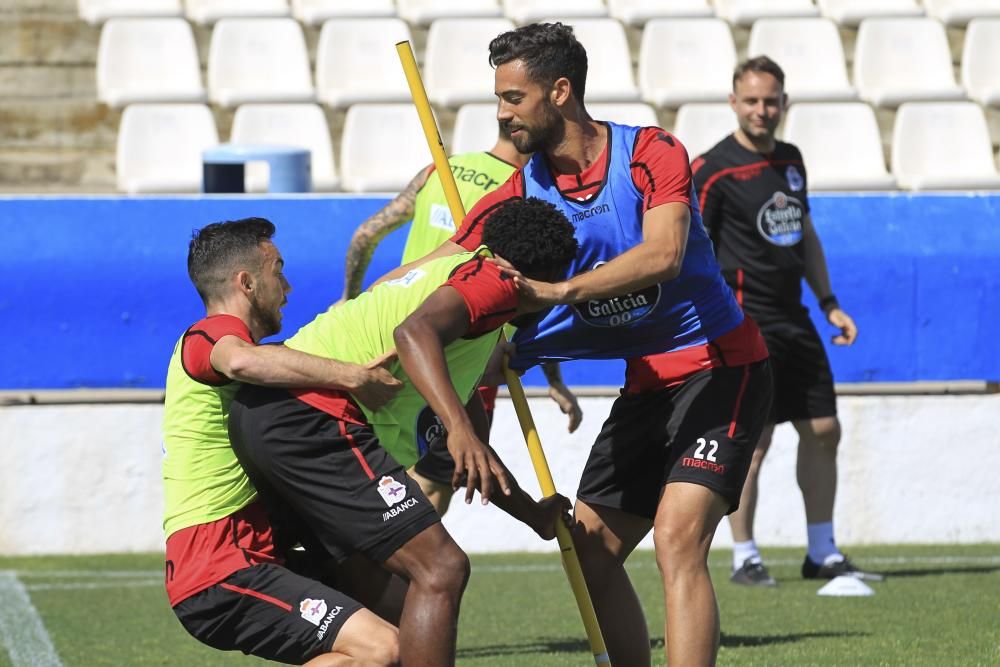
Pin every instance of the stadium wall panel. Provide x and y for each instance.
(86, 478)
(96, 292)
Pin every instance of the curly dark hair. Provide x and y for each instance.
(533, 235)
(219, 249)
(549, 51)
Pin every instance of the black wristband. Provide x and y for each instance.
(828, 303)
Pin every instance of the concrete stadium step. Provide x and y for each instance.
(51, 123)
(57, 171)
(48, 39)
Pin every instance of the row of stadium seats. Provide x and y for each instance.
(942, 145)
(680, 61)
(634, 12)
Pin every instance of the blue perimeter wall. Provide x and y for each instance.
(95, 290)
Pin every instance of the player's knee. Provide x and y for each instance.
(368, 640)
(827, 432)
(447, 573)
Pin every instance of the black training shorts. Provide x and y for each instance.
(330, 479)
(803, 382)
(702, 431)
(267, 611)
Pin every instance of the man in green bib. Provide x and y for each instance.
(336, 469)
(423, 201)
(225, 576)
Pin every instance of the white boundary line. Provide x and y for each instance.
(21, 628)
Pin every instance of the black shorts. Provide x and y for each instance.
(803, 382)
(328, 482)
(267, 611)
(437, 464)
(703, 431)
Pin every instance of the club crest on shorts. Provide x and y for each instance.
(391, 491)
(313, 610)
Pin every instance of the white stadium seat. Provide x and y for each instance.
(475, 128)
(841, 146)
(637, 113)
(529, 11)
(160, 145)
(701, 126)
(210, 11)
(686, 60)
(943, 146)
(356, 61)
(299, 125)
(258, 60)
(810, 53)
(315, 12)
(609, 62)
(382, 148)
(148, 60)
(902, 60)
(745, 12)
(960, 12)
(456, 64)
(423, 12)
(852, 12)
(637, 12)
(980, 59)
(96, 12)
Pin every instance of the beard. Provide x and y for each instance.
(269, 318)
(548, 133)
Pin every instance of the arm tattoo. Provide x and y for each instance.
(373, 230)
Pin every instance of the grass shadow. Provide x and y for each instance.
(742, 641)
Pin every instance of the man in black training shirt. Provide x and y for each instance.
(753, 195)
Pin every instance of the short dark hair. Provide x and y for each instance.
(759, 64)
(549, 51)
(219, 249)
(533, 235)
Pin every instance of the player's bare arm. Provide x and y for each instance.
(280, 366)
(371, 232)
(818, 277)
(420, 342)
(656, 259)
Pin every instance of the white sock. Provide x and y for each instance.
(821, 544)
(744, 550)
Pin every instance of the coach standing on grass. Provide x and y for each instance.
(755, 205)
(644, 287)
(224, 575)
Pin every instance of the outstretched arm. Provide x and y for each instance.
(371, 232)
(420, 341)
(280, 366)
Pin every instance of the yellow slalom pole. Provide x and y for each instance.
(571, 563)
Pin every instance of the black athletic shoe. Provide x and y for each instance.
(753, 574)
(845, 567)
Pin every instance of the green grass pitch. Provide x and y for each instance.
(939, 606)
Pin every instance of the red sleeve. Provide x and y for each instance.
(470, 234)
(490, 297)
(660, 168)
(196, 350)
